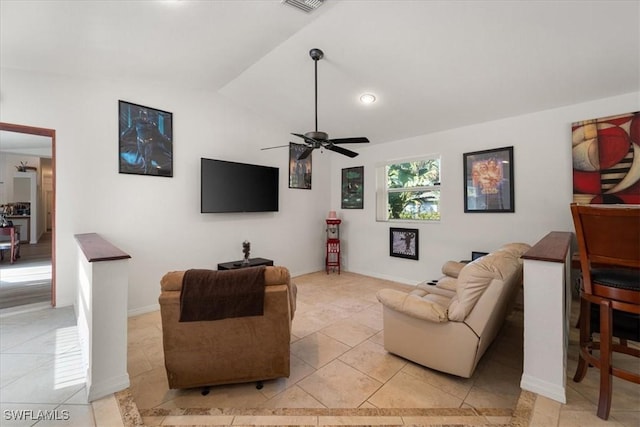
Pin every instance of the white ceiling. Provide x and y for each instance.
(433, 65)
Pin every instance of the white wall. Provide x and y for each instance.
(543, 190)
(157, 220)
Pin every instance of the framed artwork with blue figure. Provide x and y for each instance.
(488, 181)
(145, 140)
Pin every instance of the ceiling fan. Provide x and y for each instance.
(317, 139)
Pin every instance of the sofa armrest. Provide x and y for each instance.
(412, 305)
(452, 268)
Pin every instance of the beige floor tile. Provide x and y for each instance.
(626, 418)
(198, 420)
(318, 349)
(275, 420)
(406, 391)
(222, 396)
(359, 420)
(299, 370)
(451, 384)
(106, 412)
(373, 360)
(349, 332)
(546, 412)
(371, 317)
(293, 397)
(151, 389)
(479, 398)
(445, 420)
(584, 419)
(337, 385)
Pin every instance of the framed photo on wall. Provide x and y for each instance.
(145, 145)
(299, 170)
(352, 195)
(488, 181)
(403, 243)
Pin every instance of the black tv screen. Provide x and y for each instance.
(237, 187)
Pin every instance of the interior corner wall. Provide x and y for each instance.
(543, 191)
(157, 220)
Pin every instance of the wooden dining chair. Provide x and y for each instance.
(609, 246)
(9, 241)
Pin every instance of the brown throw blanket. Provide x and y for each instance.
(214, 295)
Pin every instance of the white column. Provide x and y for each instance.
(547, 300)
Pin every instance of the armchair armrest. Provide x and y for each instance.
(412, 305)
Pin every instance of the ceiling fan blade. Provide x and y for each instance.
(356, 140)
(341, 150)
(277, 146)
(306, 138)
(305, 153)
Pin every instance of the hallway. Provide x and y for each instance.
(28, 280)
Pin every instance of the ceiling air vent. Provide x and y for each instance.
(307, 6)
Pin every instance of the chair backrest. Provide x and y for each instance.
(607, 235)
(7, 231)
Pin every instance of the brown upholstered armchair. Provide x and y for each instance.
(229, 350)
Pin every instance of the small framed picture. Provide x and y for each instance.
(488, 181)
(299, 170)
(145, 145)
(352, 196)
(403, 243)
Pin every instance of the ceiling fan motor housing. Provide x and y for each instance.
(316, 54)
(317, 135)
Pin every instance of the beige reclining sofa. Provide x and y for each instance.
(448, 326)
(229, 350)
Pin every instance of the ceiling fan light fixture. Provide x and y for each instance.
(367, 98)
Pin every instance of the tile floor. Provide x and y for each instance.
(340, 375)
(41, 377)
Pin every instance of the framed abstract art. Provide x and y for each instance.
(606, 160)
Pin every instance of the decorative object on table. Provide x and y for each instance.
(22, 167)
(299, 170)
(403, 243)
(145, 140)
(246, 248)
(332, 260)
(353, 188)
(606, 160)
(317, 139)
(488, 181)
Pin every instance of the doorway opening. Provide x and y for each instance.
(37, 259)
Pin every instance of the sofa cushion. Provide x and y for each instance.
(418, 303)
(476, 276)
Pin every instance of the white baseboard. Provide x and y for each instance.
(107, 387)
(544, 388)
(143, 310)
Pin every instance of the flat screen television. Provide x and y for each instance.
(237, 187)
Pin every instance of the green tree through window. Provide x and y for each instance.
(413, 190)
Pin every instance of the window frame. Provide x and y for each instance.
(382, 189)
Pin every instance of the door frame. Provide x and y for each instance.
(51, 133)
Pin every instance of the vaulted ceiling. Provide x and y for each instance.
(433, 65)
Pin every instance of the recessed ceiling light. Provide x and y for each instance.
(367, 98)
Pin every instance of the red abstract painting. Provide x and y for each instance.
(606, 160)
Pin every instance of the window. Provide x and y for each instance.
(408, 189)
